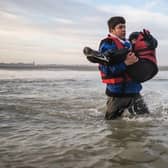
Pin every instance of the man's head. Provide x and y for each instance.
(117, 26)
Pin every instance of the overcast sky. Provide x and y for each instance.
(55, 31)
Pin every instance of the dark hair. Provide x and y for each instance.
(133, 35)
(113, 21)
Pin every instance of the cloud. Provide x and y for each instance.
(44, 30)
(137, 19)
(62, 20)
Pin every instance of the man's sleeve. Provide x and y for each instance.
(116, 69)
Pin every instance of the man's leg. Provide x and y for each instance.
(138, 106)
(115, 107)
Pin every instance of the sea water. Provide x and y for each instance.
(55, 119)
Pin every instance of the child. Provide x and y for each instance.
(143, 45)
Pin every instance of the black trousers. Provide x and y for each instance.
(116, 106)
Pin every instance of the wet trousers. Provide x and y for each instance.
(116, 106)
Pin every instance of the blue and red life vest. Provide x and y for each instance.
(122, 78)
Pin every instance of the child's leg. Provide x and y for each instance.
(95, 56)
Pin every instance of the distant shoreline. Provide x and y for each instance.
(22, 66)
(48, 67)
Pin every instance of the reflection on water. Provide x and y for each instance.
(57, 120)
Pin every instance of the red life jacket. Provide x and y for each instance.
(117, 79)
(143, 52)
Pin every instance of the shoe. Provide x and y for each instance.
(95, 56)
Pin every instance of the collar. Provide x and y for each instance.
(121, 40)
(125, 42)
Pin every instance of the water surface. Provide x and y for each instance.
(55, 119)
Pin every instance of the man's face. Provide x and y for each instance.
(119, 30)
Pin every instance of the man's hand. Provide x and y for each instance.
(131, 58)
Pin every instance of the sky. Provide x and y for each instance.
(56, 31)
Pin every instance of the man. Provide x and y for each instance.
(123, 93)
